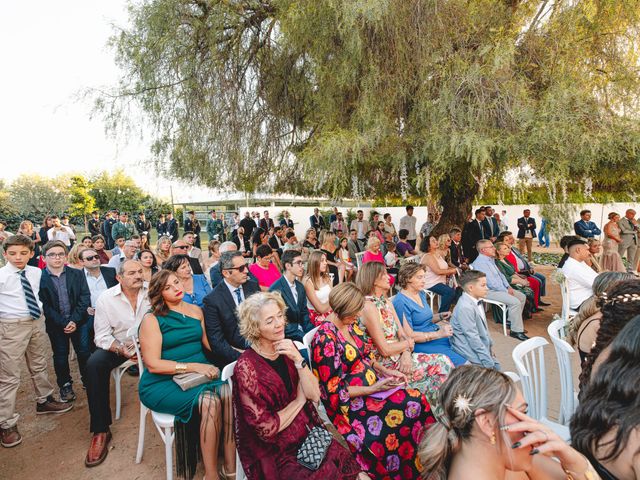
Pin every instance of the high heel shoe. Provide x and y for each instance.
(227, 475)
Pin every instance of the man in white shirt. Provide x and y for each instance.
(60, 232)
(99, 278)
(128, 253)
(361, 226)
(579, 275)
(117, 309)
(408, 222)
(23, 338)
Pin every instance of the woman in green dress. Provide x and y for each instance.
(516, 281)
(171, 342)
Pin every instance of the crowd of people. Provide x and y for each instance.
(412, 391)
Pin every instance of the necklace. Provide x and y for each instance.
(271, 356)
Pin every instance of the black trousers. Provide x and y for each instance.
(60, 345)
(98, 376)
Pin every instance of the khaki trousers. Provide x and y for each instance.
(21, 339)
(528, 242)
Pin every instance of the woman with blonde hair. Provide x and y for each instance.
(73, 259)
(163, 249)
(275, 410)
(485, 434)
(317, 285)
(26, 228)
(329, 248)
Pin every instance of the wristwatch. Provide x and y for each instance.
(303, 363)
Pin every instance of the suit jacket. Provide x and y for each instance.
(221, 323)
(286, 222)
(273, 243)
(316, 223)
(457, 254)
(161, 228)
(79, 297)
(143, 226)
(195, 266)
(172, 229)
(245, 240)
(471, 337)
(249, 225)
(586, 229)
(628, 233)
(491, 227)
(265, 225)
(353, 249)
(297, 312)
(95, 227)
(192, 226)
(525, 224)
(109, 275)
(471, 233)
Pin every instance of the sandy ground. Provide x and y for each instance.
(54, 446)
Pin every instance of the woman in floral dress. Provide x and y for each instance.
(382, 432)
(388, 342)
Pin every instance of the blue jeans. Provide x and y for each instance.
(81, 341)
(447, 296)
(543, 238)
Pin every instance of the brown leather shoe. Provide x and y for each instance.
(98, 449)
(52, 406)
(10, 437)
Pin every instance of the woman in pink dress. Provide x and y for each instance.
(611, 259)
(373, 254)
(264, 270)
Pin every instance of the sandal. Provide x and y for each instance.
(227, 475)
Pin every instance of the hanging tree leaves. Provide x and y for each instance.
(304, 96)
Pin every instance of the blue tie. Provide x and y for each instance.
(32, 303)
(238, 295)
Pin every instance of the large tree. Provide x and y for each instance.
(366, 98)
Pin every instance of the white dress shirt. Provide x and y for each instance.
(409, 223)
(294, 290)
(65, 235)
(13, 304)
(115, 315)
(97, 285)
(233, 289)
(580, 277)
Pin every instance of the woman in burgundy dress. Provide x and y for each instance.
(273, 395)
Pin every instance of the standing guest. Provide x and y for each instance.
(149, 264)
(163, 249)
(316, 220)
(213, 256)
(26, 229)
(143, 226)
(60, 232)
(578, 274)
(485, 434)
(47, 224)
(248, 224)
(285, 221)
(128, 253)
(584, 227)
(490, 224)
(192, 224)
(328, 247)
(23, 338)
(543, 233)
(389, 227)
(471, 337)
(181, 247)
(317, 285)
(404, 248)
(266, 223)
(334, 215)
(501, 223)
(256, 219)
(87, 242)
(161, 226)
(73, 258)
(499, 288)
(408, 223)
(276, 240)
(294, 295)
(437, 271)
(172, 341)
(220, 307)
(505, 219)
(123, 228)
(275, 411)
(427, 226)
(430, 333)
(472, 232)
(107, 225)
(243, 243)
(95, 225)
(64, 220)
(361, 226)
(65, 297)
(338, 223)
(264, 269)
(117, 310)
(595, 249)
(172, 227)
(629, 237)
(611, 259)
(526, 233)
(382, 431)
(99, 244)
(311, 240)
(456, 252)
(215, 227)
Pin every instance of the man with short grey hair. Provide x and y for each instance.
(629, 236)
(128, 253)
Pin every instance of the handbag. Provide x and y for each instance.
(313, 450)
(189, 380)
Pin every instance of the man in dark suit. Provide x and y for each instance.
(172, 227)
(220, 318)
(192, 224)
(316, 220)
(242, 242)
(107, 225)
(286, 221)
(294, 296)
(248, 224)
(65, 297)
(266, 223)
(276, 241)
(526, 233)
(95, 225)
(490, 224)
(143, 225)
(456, 251)
(161, 225)
(472, 232)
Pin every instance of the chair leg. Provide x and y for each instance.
(117, 376)
(504, 320)
(168, 451)
(141, 431)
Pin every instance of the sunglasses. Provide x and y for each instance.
(241, 268)
(92, 257)
(184, 247)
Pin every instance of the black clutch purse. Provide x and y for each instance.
(313, 450)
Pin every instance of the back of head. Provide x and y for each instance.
(346, 300)
(468, 388)
(174, 262)
(227, 246)
(470, 277)
(367, 276)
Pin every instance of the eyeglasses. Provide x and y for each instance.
(298, 262)
(56, 255)
(92, 257)
(241, 268)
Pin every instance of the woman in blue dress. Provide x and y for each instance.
(195, 286)
(417, 318)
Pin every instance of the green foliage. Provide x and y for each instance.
(82, 202)
(33, 195)
(117, 190)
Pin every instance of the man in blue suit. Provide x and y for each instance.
(584, 227)
(526, 233)
(490, 224)
(294, 296)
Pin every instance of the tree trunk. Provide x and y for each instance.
(457, 192)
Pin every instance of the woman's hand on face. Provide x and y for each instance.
(287, 348)
(209, 370)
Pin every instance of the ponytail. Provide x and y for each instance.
(436, 453)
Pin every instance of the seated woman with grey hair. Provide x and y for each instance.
(274, 408)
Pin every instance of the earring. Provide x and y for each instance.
(493, 438)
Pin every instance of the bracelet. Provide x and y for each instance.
(181, 367)
(588, 474)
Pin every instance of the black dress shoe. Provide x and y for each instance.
(536, 310)
(544, 304)
(519, 335)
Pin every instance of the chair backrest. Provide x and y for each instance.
(414, 259)
(227, 373)
(529, 359)
(513, 376)
(306, 340)
(566, 299)
(359, 256)
(133, 334)
(564, 353)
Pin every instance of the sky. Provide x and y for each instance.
(51, 52)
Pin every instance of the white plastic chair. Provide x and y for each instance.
(359, 256)
(564, 354)
(567, 312)
(513, 376)
(163, 421)
(431, 295)
(529, 359)
(306, 340)
(412, 259)
(503, 307)
(117, 374)
(226, 376)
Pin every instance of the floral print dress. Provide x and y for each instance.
(430, 370)
(382, 434)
